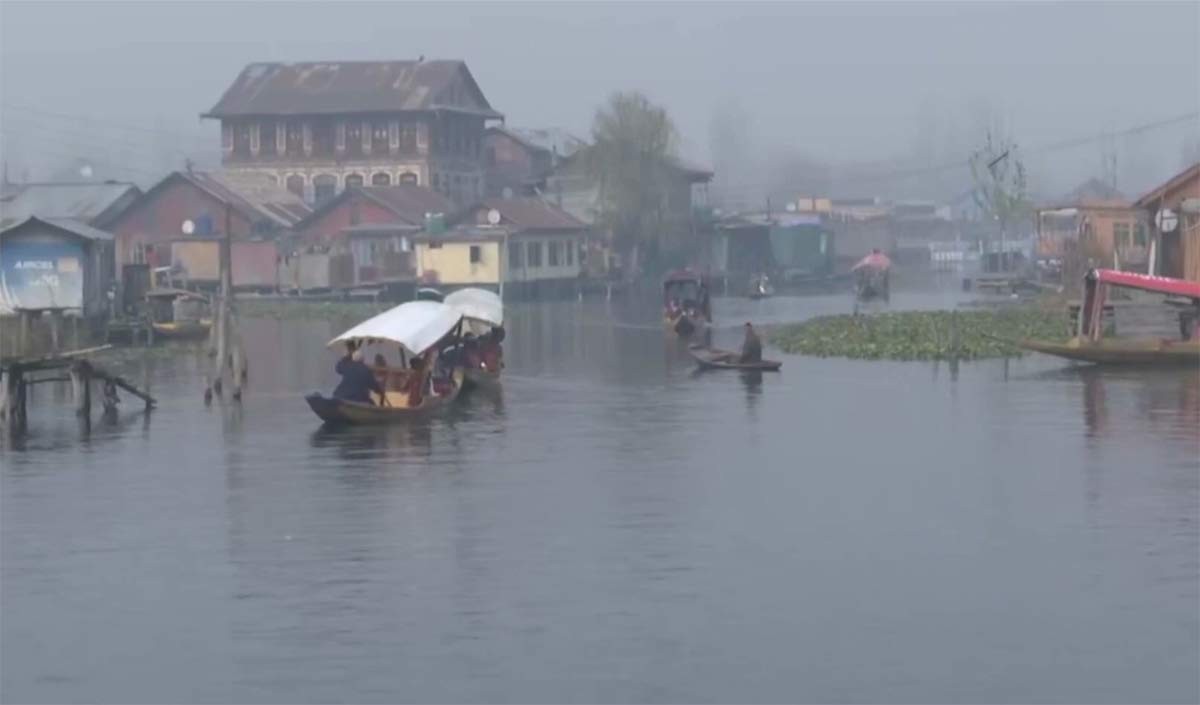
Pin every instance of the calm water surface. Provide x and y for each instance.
(614, 527)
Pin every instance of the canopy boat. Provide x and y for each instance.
(483, 318)
(429, 293)
(179, 314)
(717, 359)
(1089, 345)
(760, 287)
(686, 303)
(417, 327)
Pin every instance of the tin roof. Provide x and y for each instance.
(253, 197)
(74, 227)
(84, 201)
(1150, 199)
(324, 88)
(546, 139)
(529, 214)
(409, 201)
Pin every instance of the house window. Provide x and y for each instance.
(476, 254)
(570, 248)
(435, 245)
(552, 253)
(533, 254)
(381, 179)
(408, 178)
(266, 138)
(295, 184)
(514, 256)
(408, 138)
(323, 138)
(1121, 235)
(354, 180)
(354, 138)
(324, 188)
(241, 140)
(295, 138)
(1139, 234)
(379, 138)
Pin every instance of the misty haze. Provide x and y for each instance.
(599, 352)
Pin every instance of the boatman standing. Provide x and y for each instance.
(752, 346)
(357, 379)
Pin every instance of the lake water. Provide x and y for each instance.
(612, 526)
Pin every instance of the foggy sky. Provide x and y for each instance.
(835, 82)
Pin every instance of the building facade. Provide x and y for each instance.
(318, 128)
(49, 264)
(1177, 233)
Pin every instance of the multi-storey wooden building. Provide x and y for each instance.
(317, 128)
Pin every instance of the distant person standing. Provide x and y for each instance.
(751, 346)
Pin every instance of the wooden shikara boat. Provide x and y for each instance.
(483, 316)
(717, 359)
(1089, 345)
(340, 411)
(179, 314)
(686, 303)
(417, 327)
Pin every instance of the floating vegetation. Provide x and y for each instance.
(922, 335)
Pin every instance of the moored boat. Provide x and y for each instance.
(419, 329)
(179, 314)
(686, 303)
(1089, 343)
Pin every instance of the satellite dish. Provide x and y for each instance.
(1166, 220)
(493, 217)
(188, 227)
(86, 171)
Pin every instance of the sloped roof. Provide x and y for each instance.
(74, 227)
(83, 201)
(408, 202)
(255, 198)
(530, 214)
(324, 88)
(545, 139)
(1148, 200)
(1095, 192)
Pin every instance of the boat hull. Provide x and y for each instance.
(1121, 352)
(714, 359)
(342, 412)
(480, 377)
(186, 330)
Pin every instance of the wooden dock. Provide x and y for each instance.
(18, 374)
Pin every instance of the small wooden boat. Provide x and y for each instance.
(340, 411)
(716, 359)
(1089, 345)
(686, 303)
(183, 330)
(417, 327)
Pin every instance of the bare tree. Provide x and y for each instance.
(1000, 182)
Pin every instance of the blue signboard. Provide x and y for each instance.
(39, 274)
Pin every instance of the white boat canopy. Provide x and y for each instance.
(478, 305)
(416, 325)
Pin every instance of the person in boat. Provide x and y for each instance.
(414, 384)
(874, 261)
(751, 346)
(380, 360)
(358, 381)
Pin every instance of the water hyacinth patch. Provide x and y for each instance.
(922, 335)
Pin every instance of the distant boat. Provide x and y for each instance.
(717, 359)
(760, 287)
(686, 302)
(1089, 345)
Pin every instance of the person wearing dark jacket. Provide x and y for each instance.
(357, 379)
(751, 347)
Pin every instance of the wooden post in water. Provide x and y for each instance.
(81, 387)
(227, 342)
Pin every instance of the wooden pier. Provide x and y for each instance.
(18, 374)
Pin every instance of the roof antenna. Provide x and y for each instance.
(187, 165)
(420, 58)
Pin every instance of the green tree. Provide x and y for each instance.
(632, 141)
(1000, 183)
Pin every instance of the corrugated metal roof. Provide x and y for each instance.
(254, 197)
(549, 139)
(77, 201)
(530, 214)
(74, 227)
(324, 88)
(409, 202)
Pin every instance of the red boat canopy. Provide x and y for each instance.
(1147, 282)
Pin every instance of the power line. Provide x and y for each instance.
(108, 123)
(35, 131)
